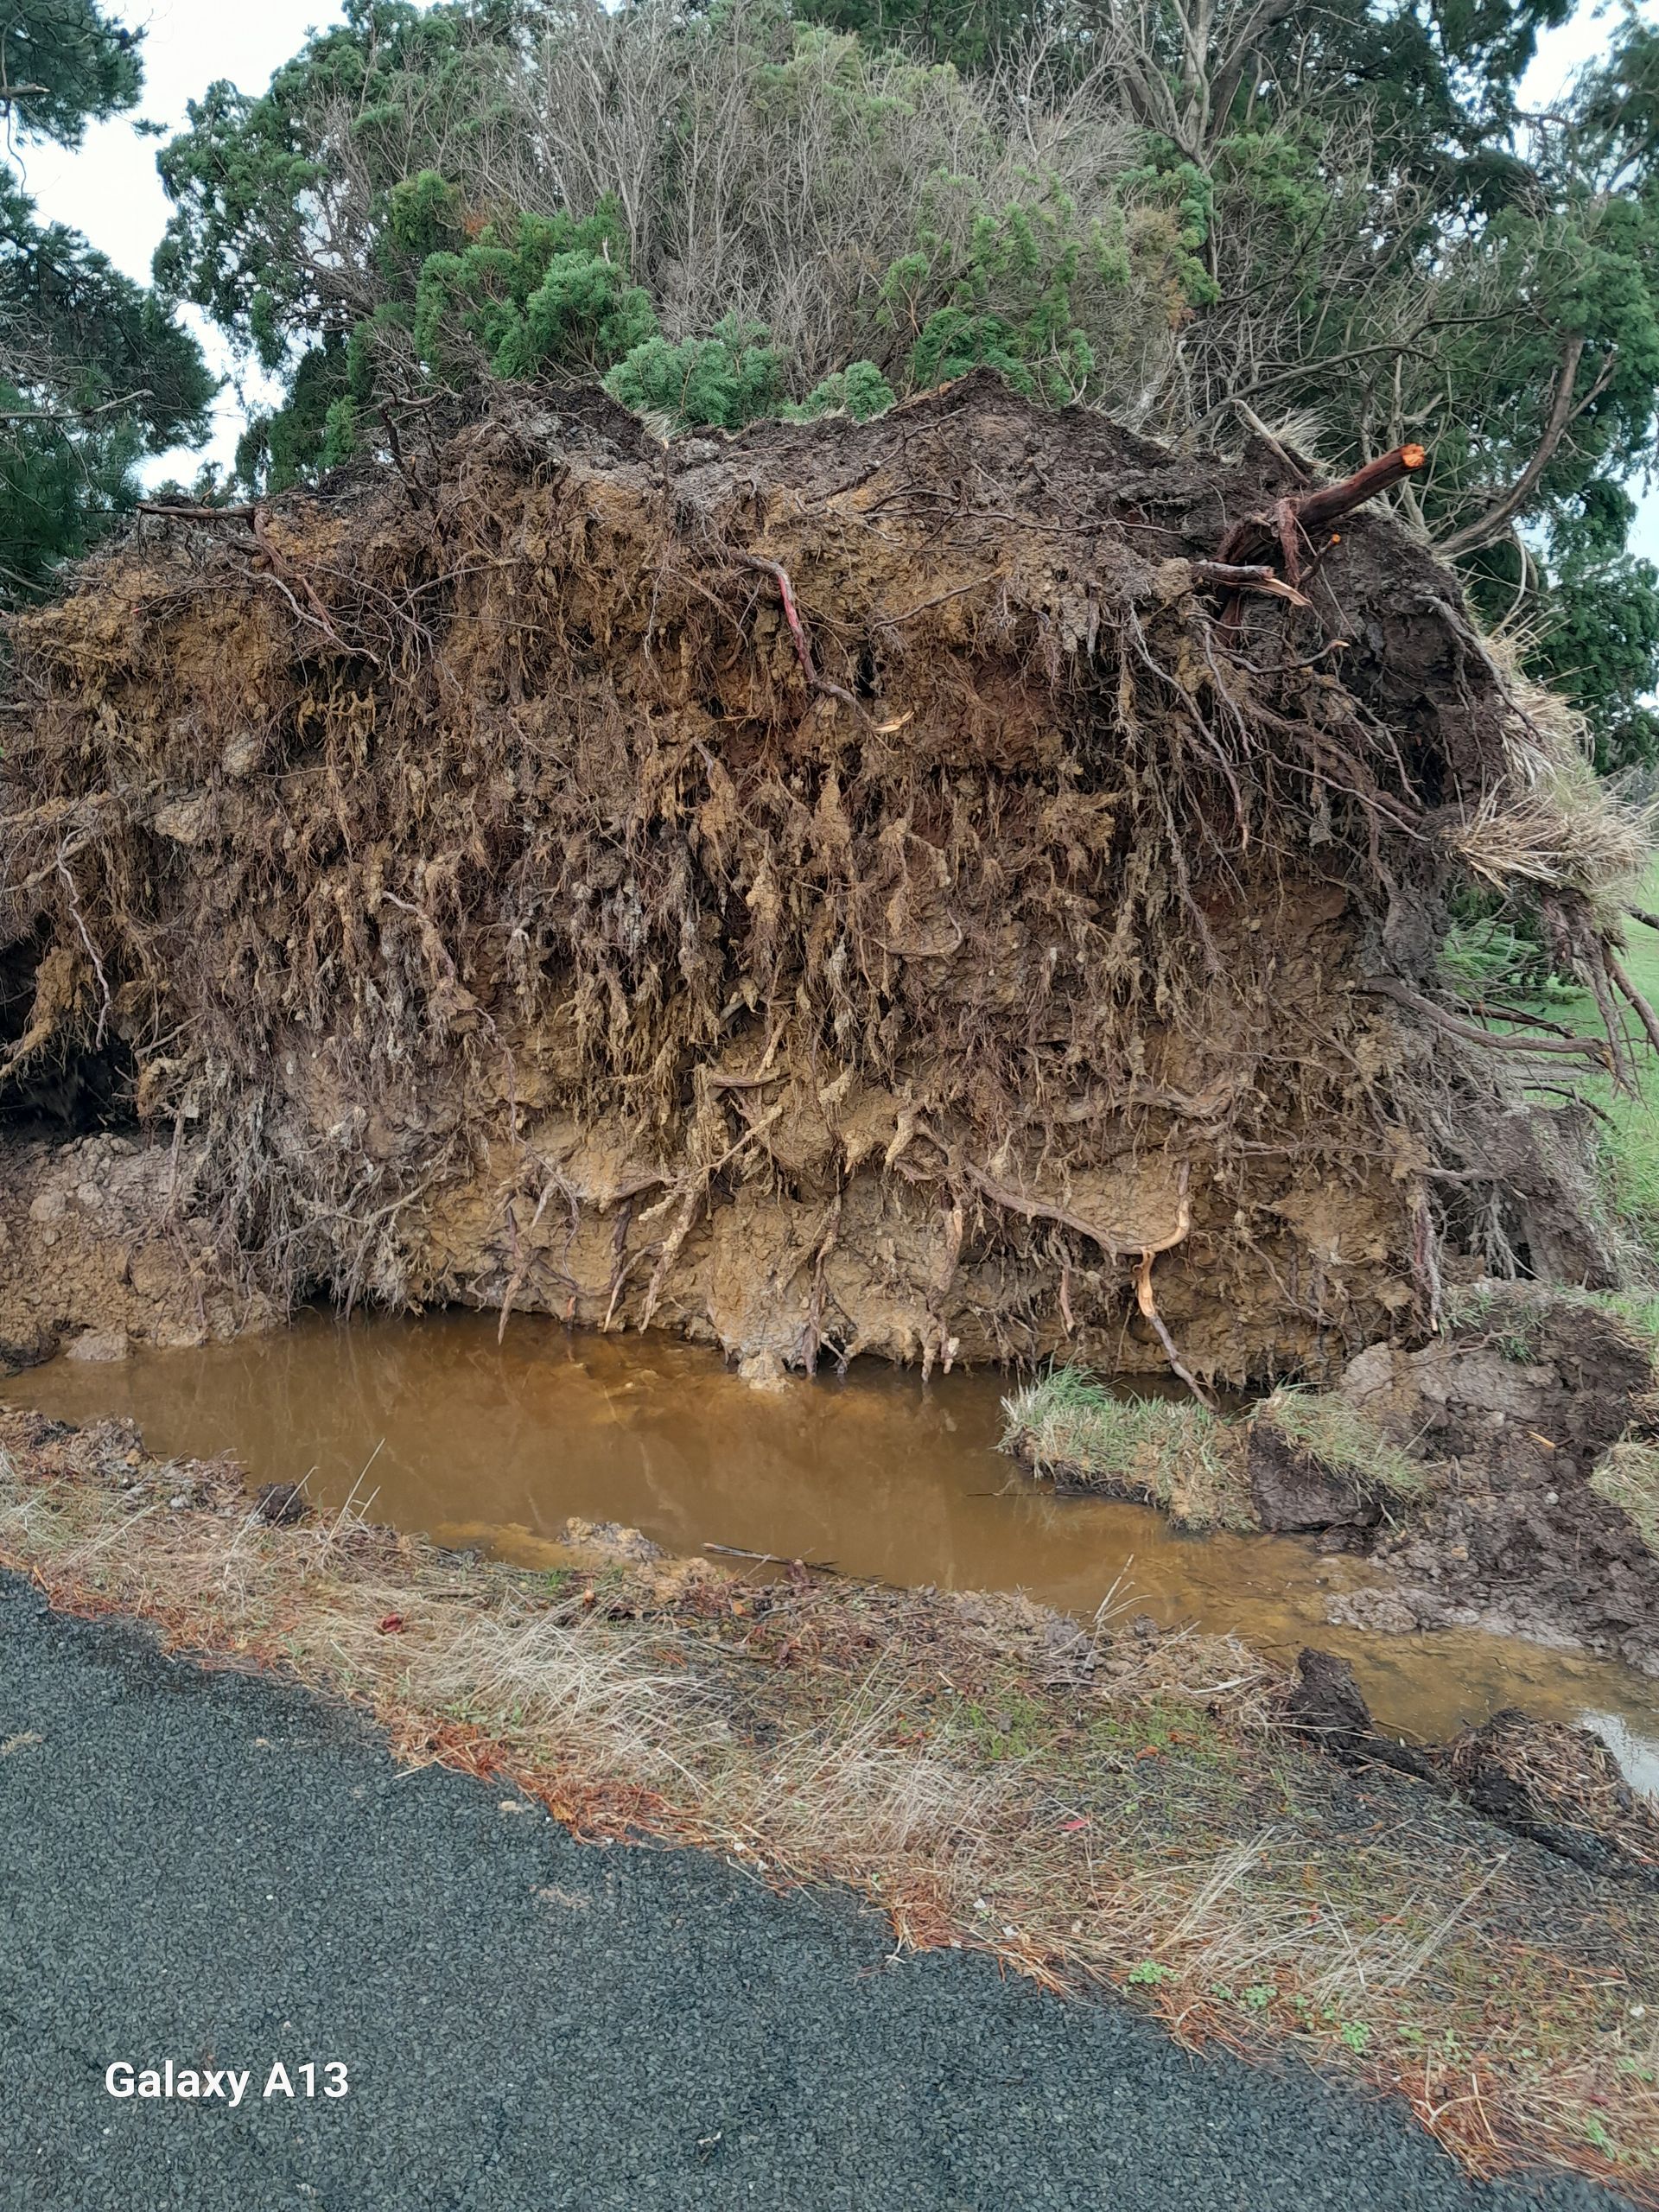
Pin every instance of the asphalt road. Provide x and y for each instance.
(220, 1872)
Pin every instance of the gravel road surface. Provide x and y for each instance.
(214, 1870)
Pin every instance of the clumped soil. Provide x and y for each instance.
(1556, 1785)
(1514, 1410)
(106, 1238)
(487, 897)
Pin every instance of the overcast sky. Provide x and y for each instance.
(109, 190)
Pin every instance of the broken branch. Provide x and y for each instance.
(1317, 510)
(1639, 1006)
(1293, 519)
(1563, 415)
(184, 510)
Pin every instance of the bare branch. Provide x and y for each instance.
(1486, 528)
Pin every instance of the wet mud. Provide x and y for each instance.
(497, 1445)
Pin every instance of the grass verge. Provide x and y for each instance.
(1095, 1807)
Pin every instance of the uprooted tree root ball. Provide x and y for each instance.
(854, 887)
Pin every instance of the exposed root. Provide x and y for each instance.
(780, 575)
(495, 834)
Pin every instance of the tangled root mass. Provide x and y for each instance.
(477, 873)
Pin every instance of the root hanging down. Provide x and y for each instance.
(1146, 1302)
(435, 875)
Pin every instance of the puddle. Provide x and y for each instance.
(494, 1446)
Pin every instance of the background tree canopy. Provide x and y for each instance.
(94, 371)
(1337, 222)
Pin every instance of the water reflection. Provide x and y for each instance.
(495, 1445)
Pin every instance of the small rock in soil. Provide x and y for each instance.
(99, 1346)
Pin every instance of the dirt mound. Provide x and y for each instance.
(842, 888)
(107, 1235)
(1515, 1409)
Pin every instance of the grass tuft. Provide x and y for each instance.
(1343, 1438)
(1628, 1477)
(1173, 1454)
(1515, 1314)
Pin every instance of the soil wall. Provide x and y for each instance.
(844, 888)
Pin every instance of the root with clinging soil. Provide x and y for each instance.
(508, 848)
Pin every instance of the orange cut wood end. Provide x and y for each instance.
(1413, 456)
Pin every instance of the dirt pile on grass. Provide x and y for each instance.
(845, 889)
(1505, 1474)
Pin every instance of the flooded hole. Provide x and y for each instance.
(439, 1429)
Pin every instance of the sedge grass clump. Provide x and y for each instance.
(1628, 1478)
(1173, 1453)
(1341, 1437)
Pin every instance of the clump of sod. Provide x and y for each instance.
(1628, 1478)
(1345, 1439)
(1174, 1453)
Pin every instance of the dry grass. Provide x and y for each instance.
(1093, 1808)
(1554, 822)
(1568, 832)
(1628, 1478)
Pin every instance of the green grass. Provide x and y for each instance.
(1179, 1456)
(1345, 1439)
(1629, 1139)
(1486, 952)
(1174, 1451)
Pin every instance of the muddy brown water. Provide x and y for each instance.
(492, 1447)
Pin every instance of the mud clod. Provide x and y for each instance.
(1294, 1491)
(283, 1504)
